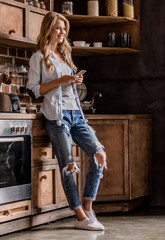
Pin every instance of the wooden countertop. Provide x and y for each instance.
(88, 116)
(20, 116)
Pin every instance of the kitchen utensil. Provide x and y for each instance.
(82, 91)
(125, 40)
(79, 43)
(67, 7)
(128, 8)
(93, 7)
(5, 103)
(97, 44)
(112, 8)
(112, 39)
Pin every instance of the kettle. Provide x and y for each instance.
(9, 102)
(5, 103)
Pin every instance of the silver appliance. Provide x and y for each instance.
(15, 160)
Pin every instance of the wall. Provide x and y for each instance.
(17, 57)
(136, 84)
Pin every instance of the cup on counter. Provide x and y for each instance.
(97, 44)
(112, 39)
(30, 108)
(125, 40)
(23, 110)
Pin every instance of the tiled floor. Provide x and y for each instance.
(145, 225)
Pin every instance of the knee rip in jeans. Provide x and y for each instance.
(70, 168)
(97, 162)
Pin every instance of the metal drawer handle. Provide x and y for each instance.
(12, 31)
(43, 177)
(44, 153)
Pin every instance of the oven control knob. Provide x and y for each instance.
(22, 129)
(26, 129)
(17, 129)
(12, 129)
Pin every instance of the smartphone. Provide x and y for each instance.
(81, 72)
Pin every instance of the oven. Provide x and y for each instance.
(15, 160)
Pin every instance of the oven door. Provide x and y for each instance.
(15, 168)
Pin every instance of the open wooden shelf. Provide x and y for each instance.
(87, 20)
(83, 27)
(91, 51)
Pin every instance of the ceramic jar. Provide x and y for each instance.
(93, 7)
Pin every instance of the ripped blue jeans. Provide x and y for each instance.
(74, 126)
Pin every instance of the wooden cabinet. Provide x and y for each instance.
(47, 189)
(34, 22)
(128, 144)
(12, 19)
(21, 27)
(19, 23)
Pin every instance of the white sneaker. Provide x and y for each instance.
(87, 224)
(91, 215)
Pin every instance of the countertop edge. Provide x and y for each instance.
(87, 116)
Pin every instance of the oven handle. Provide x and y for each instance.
(13, 139)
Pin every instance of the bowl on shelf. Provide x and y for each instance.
(87, 44)
(79, 43)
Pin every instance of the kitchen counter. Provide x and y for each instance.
(88, 116)
(20, 116)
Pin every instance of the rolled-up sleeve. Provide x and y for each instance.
(34, 75)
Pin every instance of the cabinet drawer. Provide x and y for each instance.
(42, 153)
(12, 20)
(15, 210)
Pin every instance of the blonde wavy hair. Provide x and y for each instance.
(43, 40)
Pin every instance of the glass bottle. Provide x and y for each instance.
(128, 8)
(42, 5)
(112, 8)
(93, 7)
(36, 3)
(67, 7)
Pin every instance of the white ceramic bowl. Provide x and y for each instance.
(79, 43)
(97, 44)
(87, 44)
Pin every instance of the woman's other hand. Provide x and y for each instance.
(78, 79)
(64, 80)
(67, 79)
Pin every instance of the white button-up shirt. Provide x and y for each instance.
(38, 74)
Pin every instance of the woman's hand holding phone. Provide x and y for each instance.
(79, 77)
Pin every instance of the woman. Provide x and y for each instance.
(51, 75)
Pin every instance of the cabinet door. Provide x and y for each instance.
(35, 19)
(113, 134)
(12, 19)
(44, 188)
